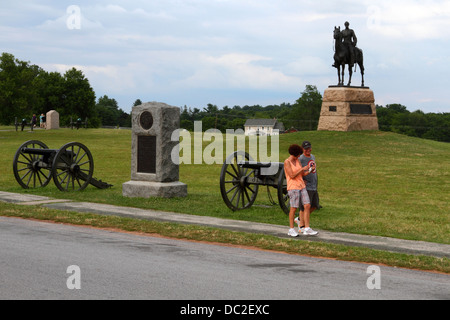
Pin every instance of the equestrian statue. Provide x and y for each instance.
(346, 52)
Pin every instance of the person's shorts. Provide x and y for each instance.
(313, 198)
(298, 197)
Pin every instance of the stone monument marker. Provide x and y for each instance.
(347, 108)
(52, 119)
(153, 173)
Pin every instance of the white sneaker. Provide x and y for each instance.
(309, 232)
(292, 233)
(297, 221)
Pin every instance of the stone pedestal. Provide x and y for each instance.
(147, 189)
(153, 173)
(348, 109)
(52, 120)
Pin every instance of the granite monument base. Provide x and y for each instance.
(348, 109)
(154, 137)
(147, 189)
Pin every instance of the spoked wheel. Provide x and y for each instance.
(283, 197)
(30, 170)
(237, 192)
(73, 167)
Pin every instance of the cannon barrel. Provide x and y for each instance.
(41, 152)
(259, 165)
(254, 164)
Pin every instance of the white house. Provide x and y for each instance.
(263, 127)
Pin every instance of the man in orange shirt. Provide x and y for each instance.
(297, 189)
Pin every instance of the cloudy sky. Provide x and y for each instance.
(234, 52)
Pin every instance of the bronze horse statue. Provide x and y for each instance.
(343, 56)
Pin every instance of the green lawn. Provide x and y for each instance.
(375, 183)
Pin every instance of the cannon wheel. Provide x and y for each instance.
(73, 167)
(27, 167)
(283, 197)
(237, 192)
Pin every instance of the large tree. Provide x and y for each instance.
(27, 89)
(79, 97)
(305, 112)
(18, 93)
(51, 88)
(110, 114)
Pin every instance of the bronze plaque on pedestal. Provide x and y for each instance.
(146, 154)
(360, 109)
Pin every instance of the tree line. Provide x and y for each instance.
(396, 118)
(301, 115)
(27, 89)
(304, 114)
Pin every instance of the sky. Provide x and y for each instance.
(234, 52)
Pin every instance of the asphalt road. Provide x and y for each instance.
(42, 260)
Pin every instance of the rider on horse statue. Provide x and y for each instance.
(349, 40)
(346, 53)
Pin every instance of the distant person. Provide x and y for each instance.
(33, 121)
(296, 189)
(309, 160)
(42, 121)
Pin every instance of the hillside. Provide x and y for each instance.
(376, 183)
(382, 183)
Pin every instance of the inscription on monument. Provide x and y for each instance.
(146, 154)
(360, 109)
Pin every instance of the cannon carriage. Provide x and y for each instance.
(241, 177)
(71, 166)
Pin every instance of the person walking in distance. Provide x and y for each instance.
(296, 188)
(33, 120)
(308, 160)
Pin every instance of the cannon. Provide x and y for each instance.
(23, 124)
(78, 123)
(71, 166)
(241, 177)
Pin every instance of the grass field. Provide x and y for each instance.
(375, 183)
